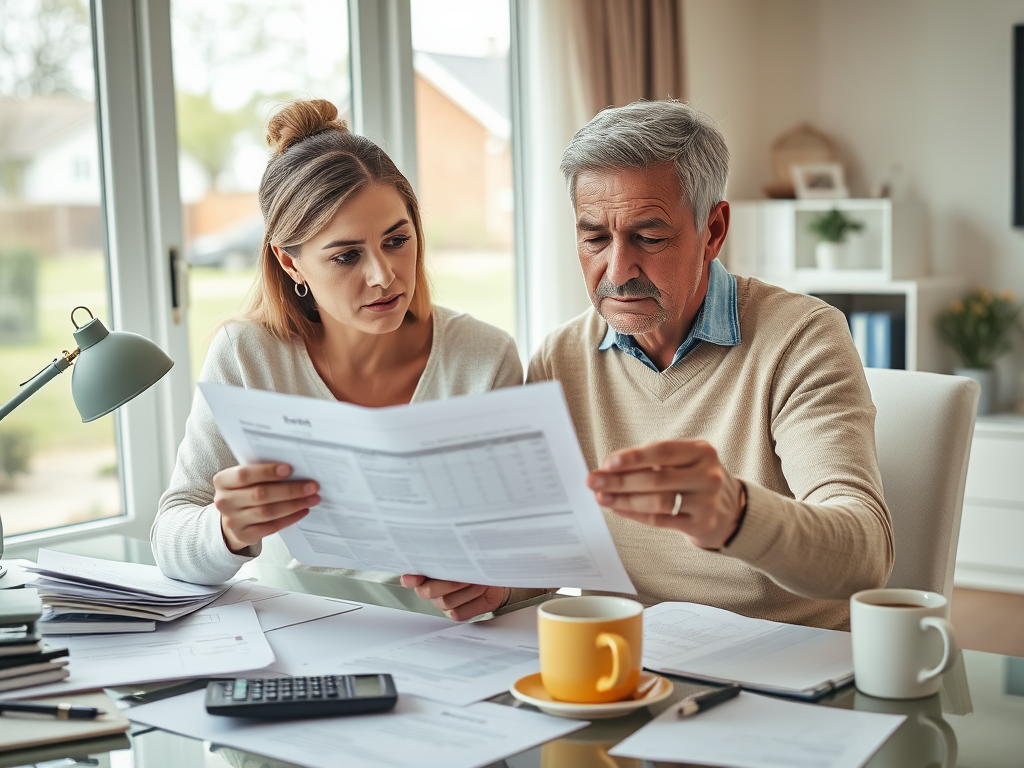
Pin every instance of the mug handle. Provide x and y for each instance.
(622, 660)
(950, 648)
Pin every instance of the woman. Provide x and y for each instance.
(340, 310)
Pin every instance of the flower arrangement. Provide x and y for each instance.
(832, 227)
(978, 327)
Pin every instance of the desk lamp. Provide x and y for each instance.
(111, 369)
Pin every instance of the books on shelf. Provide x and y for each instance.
(880, 338)
(24, 661)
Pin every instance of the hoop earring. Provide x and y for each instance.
(305, 290)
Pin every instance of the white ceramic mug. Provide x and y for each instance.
(902, 642)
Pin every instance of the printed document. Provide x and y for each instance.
(416, 734)
(210, 642)
(279, 608)
(458, 665)
(754, 731)
(487, 489)
(707, 643)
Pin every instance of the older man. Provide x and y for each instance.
(727, 422)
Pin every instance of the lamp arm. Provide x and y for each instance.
(37, 382)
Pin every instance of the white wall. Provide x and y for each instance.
(923, 84)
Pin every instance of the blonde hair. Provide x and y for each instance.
(315, 166)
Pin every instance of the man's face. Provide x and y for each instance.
(643, 260)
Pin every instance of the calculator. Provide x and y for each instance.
(285, 698)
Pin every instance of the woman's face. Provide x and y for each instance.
(361, 267)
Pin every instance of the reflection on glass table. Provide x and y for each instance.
(977, 719)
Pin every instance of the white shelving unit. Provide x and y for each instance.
(770, 240)
(990, 554)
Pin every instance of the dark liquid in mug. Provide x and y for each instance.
(899, 605)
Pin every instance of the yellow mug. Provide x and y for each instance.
(590, 648)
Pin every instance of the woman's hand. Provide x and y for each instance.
(255, 501)
(460, 601)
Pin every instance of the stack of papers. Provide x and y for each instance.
(718, 646)
(78, 584)
(214, 641)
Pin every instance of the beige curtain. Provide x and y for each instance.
(629, 50)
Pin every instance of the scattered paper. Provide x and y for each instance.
(279, 608)
(213, 641)
(753, 731)
(458, 665)
(486, 489)
(416, 734)
(713, 644)
(305, 649)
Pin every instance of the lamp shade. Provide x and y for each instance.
(112, 368)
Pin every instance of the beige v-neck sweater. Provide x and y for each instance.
(466, 356)
(790, 413)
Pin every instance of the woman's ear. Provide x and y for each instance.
(287, 262)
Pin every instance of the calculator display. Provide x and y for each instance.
(368, 685)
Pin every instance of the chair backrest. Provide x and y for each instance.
(923, 433)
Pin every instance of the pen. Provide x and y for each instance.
(60, 711)
(700, 702)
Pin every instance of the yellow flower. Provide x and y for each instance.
(957, 307)
(985, 296)
(1008, 296)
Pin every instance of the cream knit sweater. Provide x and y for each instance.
(790, 413)
(466, 356)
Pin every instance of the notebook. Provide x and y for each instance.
(22, 732)
(718, 646)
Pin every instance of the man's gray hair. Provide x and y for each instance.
(648, 133)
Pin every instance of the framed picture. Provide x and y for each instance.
(819, 181)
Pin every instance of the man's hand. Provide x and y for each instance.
(641, 484)
(460, 601)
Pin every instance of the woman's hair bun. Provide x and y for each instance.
(301, 119)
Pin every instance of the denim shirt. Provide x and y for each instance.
(717, 321)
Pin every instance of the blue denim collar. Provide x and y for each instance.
(717, 321)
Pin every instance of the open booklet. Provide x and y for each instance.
(487, 488)
(719, 646)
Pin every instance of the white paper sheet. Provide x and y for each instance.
(487, 489)
(754, 731)
(213, 641)
(710, 643)
(305, 649)
(145, 580)
(458, 665)
(416, 734)
(279, 608)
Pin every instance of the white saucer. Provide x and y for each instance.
(530, 690)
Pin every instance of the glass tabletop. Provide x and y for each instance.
(976, 720)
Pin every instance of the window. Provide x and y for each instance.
(463, 143)
(234, 62)
(54, 470)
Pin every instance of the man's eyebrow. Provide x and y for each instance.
(586, 225)
(650, 223)
(340, 243)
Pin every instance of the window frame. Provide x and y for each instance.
(142, 227)
(142, 214)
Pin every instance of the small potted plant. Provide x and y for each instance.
(832, 229)
(978, 329)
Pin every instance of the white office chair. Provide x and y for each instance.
(923, 432)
